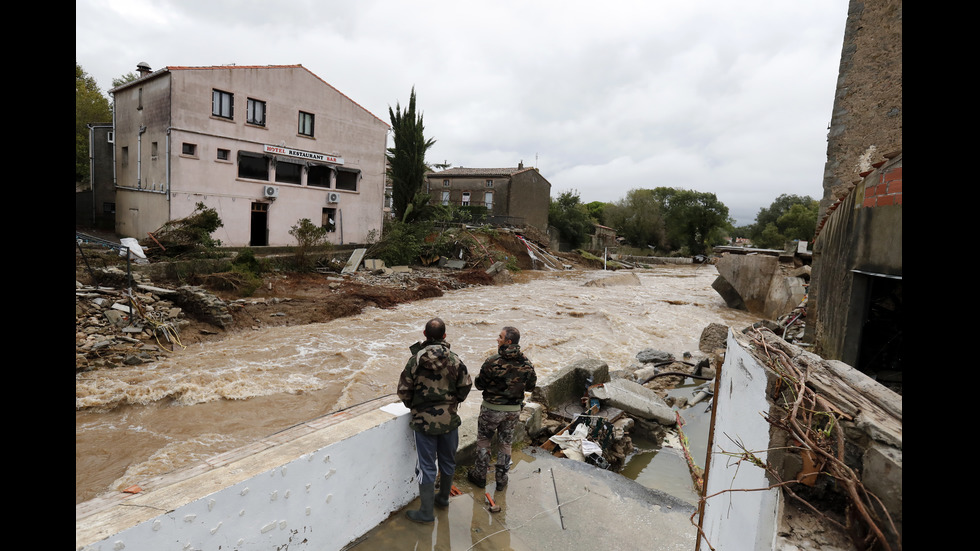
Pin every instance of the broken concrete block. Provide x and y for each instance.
(785, 293)
(635, 399)
(373, 264)
(727, 292)
(496, 267)
(569, 382)
(354, 261)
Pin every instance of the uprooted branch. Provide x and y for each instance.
(815, 425)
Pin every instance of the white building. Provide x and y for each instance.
(265, 146)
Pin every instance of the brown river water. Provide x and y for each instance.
(132, 423)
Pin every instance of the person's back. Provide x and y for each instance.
(434, 376)
(432, 385)
(504, 378)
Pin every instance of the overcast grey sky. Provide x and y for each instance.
(732, 98)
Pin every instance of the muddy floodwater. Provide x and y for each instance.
(132, 423)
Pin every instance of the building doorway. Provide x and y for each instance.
(881, 332)
(259, 225)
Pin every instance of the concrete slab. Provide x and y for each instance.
(550, 504)
(354, 261)
(636, 400)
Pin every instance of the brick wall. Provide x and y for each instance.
(888, 190)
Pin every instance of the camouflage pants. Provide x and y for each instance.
(502, 423)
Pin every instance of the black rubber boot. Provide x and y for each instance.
(424, 515)
(476, 479)
(445, 486)
(500, 475)
(500, 472)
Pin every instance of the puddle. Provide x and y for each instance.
(665, 468)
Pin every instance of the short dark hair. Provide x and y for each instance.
(435, 329)
(512, 334)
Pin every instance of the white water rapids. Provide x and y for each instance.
(132, 423)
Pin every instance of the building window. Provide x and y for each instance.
(445, 198)
(289, 173)
(329, 222)
(154, 151)
(139, 100)
(306, 124)
(125, 156)
(318, 176)
(466, 199)
(445, 183)
(253, 166)
(108, 208)
(224, 155)
(256, 112)
(347, 180)
(222, 104)
(188, 149)
(488, 200)
(489, 183)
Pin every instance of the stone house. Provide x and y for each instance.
(513, 196)
(265, 146)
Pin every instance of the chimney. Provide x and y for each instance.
(143, 68)
(520, 165)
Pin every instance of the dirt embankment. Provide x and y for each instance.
(283, 299)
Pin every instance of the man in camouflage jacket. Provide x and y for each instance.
(432, 385)
(504, 378)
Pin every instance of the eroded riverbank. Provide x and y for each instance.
(216, 396)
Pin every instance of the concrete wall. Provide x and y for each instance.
(739, 520)
(861, 234)
(319, 485)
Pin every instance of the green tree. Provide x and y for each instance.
(406, 162)
(90, 107)
(695, 220)
(571, 218)
(789, 217)
(596, 210)
(637, 218)
(128, 77)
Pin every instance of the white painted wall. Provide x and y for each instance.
(286, 495)
(742, 520)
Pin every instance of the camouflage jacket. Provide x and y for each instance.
(432, 385)
(505, 377)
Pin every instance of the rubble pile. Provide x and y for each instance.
(123, 325)
(595, 425)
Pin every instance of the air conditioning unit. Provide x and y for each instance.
(270, 192)
(333, 197)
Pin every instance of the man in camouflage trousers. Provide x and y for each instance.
(504, 378)
(432, 385)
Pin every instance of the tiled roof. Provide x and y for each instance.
(478, 172)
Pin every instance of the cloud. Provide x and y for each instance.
(722, 97)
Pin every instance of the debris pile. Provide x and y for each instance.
(593, 411)
(116, 327)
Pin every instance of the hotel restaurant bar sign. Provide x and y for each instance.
(320, 157)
